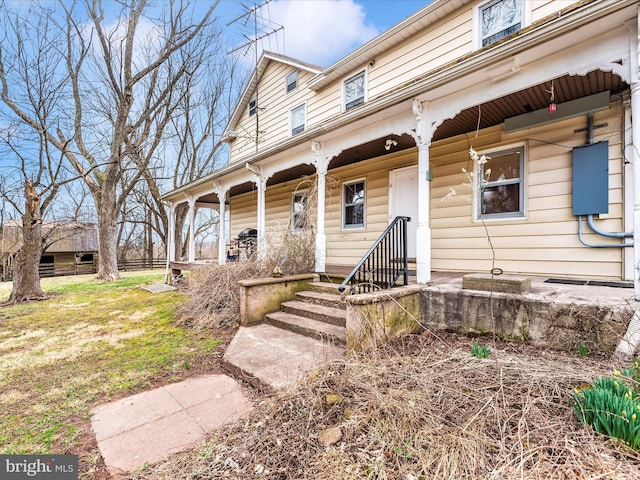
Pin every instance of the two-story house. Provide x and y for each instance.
(546, 89)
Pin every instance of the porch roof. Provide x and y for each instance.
(493, 113)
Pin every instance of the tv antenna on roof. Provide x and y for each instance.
(269, 28)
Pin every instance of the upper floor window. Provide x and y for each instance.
(499, 19)
(253, 107)
(501, 185)
(298, 119)
(299, 211)
(354, 88)
(353, 205)
(292, 81)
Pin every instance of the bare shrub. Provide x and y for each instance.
(423, 408)
(215, 294)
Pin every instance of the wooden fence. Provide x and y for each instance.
(81, 268)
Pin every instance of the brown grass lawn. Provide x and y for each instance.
(90, 343)
(422, 408)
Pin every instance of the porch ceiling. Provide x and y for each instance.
(566, 88)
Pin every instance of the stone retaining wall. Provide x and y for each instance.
(538, 321)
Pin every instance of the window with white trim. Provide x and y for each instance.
(292, 81)
(353, 205)
(499, 19)
(353, 90)
(297, 119)
(501, 184)
(299, 211)
(253, 107)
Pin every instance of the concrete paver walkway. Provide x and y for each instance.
(269, 356)
(146, 427)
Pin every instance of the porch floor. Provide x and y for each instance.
(540, 288)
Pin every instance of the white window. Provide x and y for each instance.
(299, 211)
(298, 119)
(353, 90)
(253, 107)
(501, 185)
(353, 205)
(292, 81)
(499, 19)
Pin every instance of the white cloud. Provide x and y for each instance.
(319, 31)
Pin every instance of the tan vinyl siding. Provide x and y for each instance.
(346, 246)
(448, 40)
(543, 8)
(274, 105)
(279, 200)
(243, 212)
(546, 241)
(444, 42)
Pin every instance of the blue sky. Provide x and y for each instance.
(318, 31)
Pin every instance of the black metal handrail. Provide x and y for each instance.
(384, 263)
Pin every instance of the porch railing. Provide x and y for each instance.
(384, 263)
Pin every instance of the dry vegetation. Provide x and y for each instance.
(215, 295)
(421, 409)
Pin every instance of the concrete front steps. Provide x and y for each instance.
(306, 333)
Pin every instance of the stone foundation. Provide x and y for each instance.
(538, 321)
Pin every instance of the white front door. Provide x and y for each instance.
(403, 200)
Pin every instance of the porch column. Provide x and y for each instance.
(321, 163)
(171, 235)
(635, 132)
(422, 136)
(222, 227)
(192, 228)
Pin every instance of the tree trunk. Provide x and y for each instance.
(26, 277)
(107, 235)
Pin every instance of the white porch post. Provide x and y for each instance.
(635, 131)
(321, 163)
(222, 227)
(423, 135)
(261, 183)
(171, 235)
(192, 228)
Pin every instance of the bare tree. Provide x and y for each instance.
(37, 171)
(122, 76)
(35, 182)
(193, 144)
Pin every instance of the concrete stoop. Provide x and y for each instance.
(306, 333)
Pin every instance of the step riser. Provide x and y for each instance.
(325, 287)
(339, 321)
(325, 302)
(307, 332)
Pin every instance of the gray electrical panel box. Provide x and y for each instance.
(591, 179)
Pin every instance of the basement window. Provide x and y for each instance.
(501, 185)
